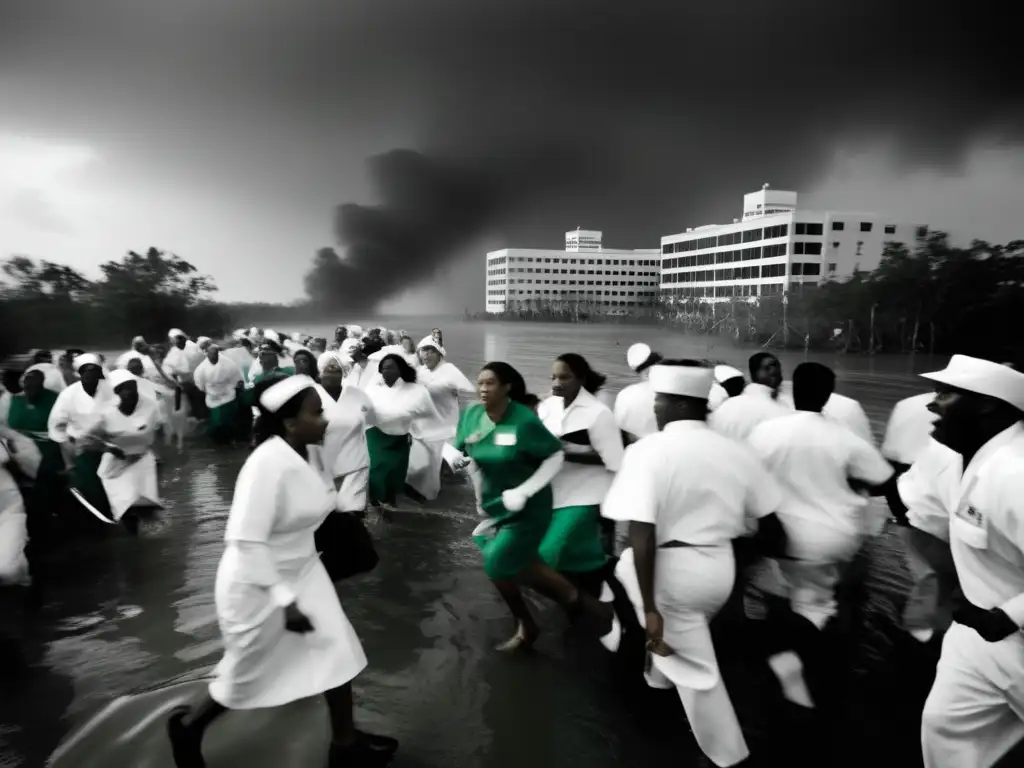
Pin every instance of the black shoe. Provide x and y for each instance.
(186, 745)
(379, 743)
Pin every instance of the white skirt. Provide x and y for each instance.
(13, 538)
(425, 460)
(352, 495)
(128, 484)
(265, 665)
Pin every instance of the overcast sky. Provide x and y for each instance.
(229, 131)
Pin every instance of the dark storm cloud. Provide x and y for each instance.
(659, 113)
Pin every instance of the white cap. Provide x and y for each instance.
(428, 341)
(725, 372)
(683, 380)
(138, 340)
(280, 393)
(86, 359)
(203, 340)
(637, 355)
(119, 377)
(355, 330)
(982, 377)
(175, 333)
(271, 334)
(717, 396)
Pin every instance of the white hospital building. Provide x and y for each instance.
(604, 280)
(775, 248)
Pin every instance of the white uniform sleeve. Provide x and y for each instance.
(60, 417)
(853, 416)
(763, 496)
(891, 442)
(867, 463)
(606, 439)
(258, 493)
(925, 510)
(634, 492)
(199, 377)
(544, 475)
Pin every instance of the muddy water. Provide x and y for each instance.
(129, 613)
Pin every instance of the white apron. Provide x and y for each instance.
(279, 502)
(691, 585)
(431, 435)
(13, 527)
(132, 480)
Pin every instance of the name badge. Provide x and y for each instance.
(505, 439)
(970, 525)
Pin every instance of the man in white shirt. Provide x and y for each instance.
(975, 712)
(759, 402)
(687, 492)
(813, 459)
(634, 405)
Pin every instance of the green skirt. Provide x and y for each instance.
(513, 545)
(223, 421)
(389, 464)
(88, 483)
(572, 543)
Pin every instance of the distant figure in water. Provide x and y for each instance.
(285, 634)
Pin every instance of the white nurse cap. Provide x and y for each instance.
(637, 355)
(280, 393)
(682, 380)
(982, 377)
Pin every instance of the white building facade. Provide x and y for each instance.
(584, 275)
(775, 249)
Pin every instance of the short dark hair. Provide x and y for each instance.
(813, 384)
(267, 424)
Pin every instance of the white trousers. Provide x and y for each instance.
(975, 711)
(820, 549)
(691, 585)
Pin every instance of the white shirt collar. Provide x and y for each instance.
(685, 425)
(759, 390)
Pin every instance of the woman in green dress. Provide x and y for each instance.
(593, 453)
(45, 494)
(397, 402)
(73, 415)
(513, 459)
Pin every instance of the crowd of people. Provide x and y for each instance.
(743, 505)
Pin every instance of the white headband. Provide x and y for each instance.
(280, 393)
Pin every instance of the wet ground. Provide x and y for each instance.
(129, 614)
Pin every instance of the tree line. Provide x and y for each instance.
(931, 296)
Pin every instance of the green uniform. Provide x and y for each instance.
(573, 543)
(223, 421)
(88, 483)
(30, 418)
(508, 453)
(389, 464)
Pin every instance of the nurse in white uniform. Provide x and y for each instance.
(634, 405)
(128, 468)
(285, 634)
(445, 383)
(975, 712)
(729, 382)
(687, 492)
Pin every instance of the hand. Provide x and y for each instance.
(296, 621)
(993, 625)
(461, 463)
(655, 630)
(514, 500)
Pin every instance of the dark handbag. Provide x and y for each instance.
(345, 546)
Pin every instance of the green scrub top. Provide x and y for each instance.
(507, 454)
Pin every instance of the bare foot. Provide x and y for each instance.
(523, 639)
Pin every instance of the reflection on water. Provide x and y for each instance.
(131, 613)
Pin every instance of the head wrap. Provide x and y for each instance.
(280, 393)
(119, 377)
(86, 359)
(682, 380)
(428, 341)
(175, 333)
(328, 358)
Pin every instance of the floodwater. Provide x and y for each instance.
(128, 615)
